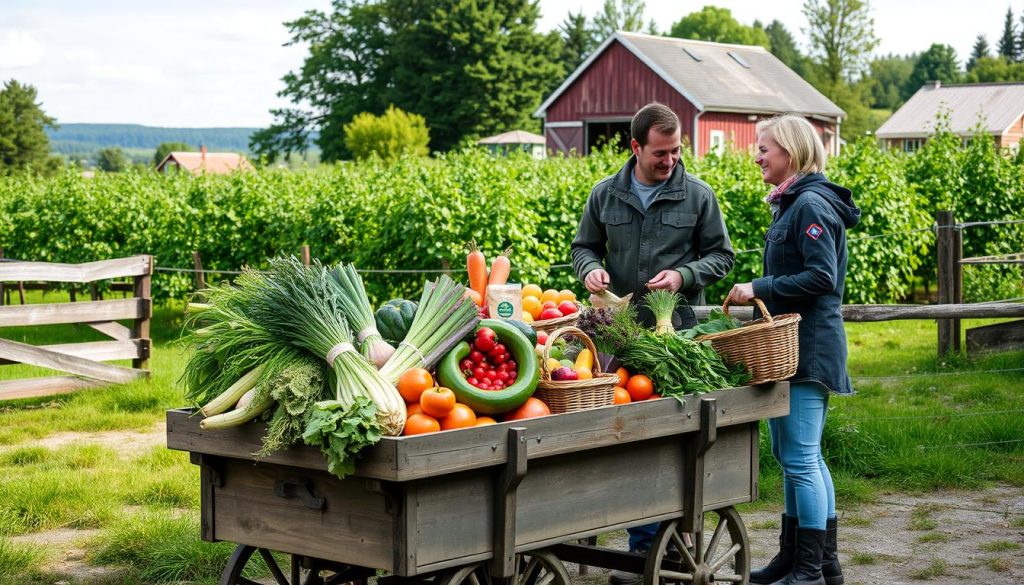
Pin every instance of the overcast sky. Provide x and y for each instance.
(198, 63)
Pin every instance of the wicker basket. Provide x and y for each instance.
(768, 347)
(550, 325)
(571, 395)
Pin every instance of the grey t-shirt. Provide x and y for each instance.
(645, 193)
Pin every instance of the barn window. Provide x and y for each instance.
(911, 144)
(736, 57)
(717, 141)
(693, 54)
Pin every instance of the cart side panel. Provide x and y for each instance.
(357, 524)
(577, 494)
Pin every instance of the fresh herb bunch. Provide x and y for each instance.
(592, 318)
(612, 338)
(718, 321)
(679, 366)
(662, 304)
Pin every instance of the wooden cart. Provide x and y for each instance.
(500, 503)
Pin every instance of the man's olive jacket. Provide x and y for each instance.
(682, 230)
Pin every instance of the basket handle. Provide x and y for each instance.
(757, 301)
(545, 372)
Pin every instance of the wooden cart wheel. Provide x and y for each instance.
(538, 567)
(243, 565)
(721, 555)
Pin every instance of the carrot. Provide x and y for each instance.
(500, 268)
(476, 264)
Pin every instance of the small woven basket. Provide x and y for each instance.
(768, 347)
(549, 325)
(572, 395)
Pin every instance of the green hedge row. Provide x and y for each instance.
(418, 213)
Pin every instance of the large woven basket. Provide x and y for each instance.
(572, 395)
(549, 325)
(768, 347)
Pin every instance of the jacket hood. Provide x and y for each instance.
(839, 197)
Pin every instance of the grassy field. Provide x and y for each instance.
(72, 462)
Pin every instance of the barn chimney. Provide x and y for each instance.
(202, 153)
(935, 83)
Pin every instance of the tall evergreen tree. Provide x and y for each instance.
(23, 140)
(889, 79)
(577, 41)
(1008, 42)
(782, 44)
(979, 51)
(938, 63)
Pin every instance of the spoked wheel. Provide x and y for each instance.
(538, 567)
(249, 565)
(721, 555)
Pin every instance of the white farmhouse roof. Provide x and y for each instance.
(995, 106)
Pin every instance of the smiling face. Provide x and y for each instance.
(656, 159)
(776, 164)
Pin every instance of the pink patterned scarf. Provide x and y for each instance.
(776, 193)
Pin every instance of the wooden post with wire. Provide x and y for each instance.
(197, 264)
(305, 255)
(949, 244)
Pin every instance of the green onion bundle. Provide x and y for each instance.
(663, 305)
(352, 297)
(299, 305)
(445, 316)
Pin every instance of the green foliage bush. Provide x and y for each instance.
(388, 136)
(417, 213)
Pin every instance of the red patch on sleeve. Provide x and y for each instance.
(814, 231)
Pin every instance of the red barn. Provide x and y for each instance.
(719, 92)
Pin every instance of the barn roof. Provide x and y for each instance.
(717, 76)
(210, 162)
(995, 105)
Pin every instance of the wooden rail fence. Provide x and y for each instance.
(83, 361)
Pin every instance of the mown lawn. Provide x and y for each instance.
(917, 423)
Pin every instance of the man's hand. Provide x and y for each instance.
(741, 294)
(669, 280)
(596, 280)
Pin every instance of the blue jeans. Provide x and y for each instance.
(796, 444)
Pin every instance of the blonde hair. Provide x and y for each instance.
(799, 139)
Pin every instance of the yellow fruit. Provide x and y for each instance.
(532, 305)
(527, 317)
(584, 374)
(549, 295)
(566, 295)
(553, 364)
(532, 290)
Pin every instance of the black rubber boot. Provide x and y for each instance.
(830, 568)
(782, 564)
(807, 564)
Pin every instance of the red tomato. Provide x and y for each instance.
(532, 408)
(418, 424)
(640, 387)
(437, 402)
(621, 396)
(461, 416)
(485, 420)
(414, 382)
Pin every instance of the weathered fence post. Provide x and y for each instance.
(2, 291)
(949, 248)
(197, 264)
(305, 255)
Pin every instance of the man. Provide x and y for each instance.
(653, 225)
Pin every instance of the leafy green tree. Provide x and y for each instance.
(782, 44)
(23, 140)
(1008, 41)
(979, 50)
(625, 15)
(389, 136)
(842, 36)
(888, 80)
(578, 41)
(112, 160)
(938, 63)
(995, 69)
(166, 148)
(469, 67)
(715, 24)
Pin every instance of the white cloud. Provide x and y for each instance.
(19, 49)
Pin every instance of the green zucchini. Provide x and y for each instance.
(528, 331)
(493, 401)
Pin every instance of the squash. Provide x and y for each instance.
(394, 319)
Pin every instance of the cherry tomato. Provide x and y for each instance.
(484, 344)
(437, 402)
(466, 364)
(476, 357)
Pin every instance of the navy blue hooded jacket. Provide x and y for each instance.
(805, 272)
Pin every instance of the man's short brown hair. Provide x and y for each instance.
(653, 115)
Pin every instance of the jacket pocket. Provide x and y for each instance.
(677, 229)
(619, 225)
(775, 249)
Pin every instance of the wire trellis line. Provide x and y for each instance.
(965, 445)
(935, 416)
(929, 374)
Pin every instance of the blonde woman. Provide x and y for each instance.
(804, 272)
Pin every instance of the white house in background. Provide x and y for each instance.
(997, 107)
(515, 140)
(197, 163)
